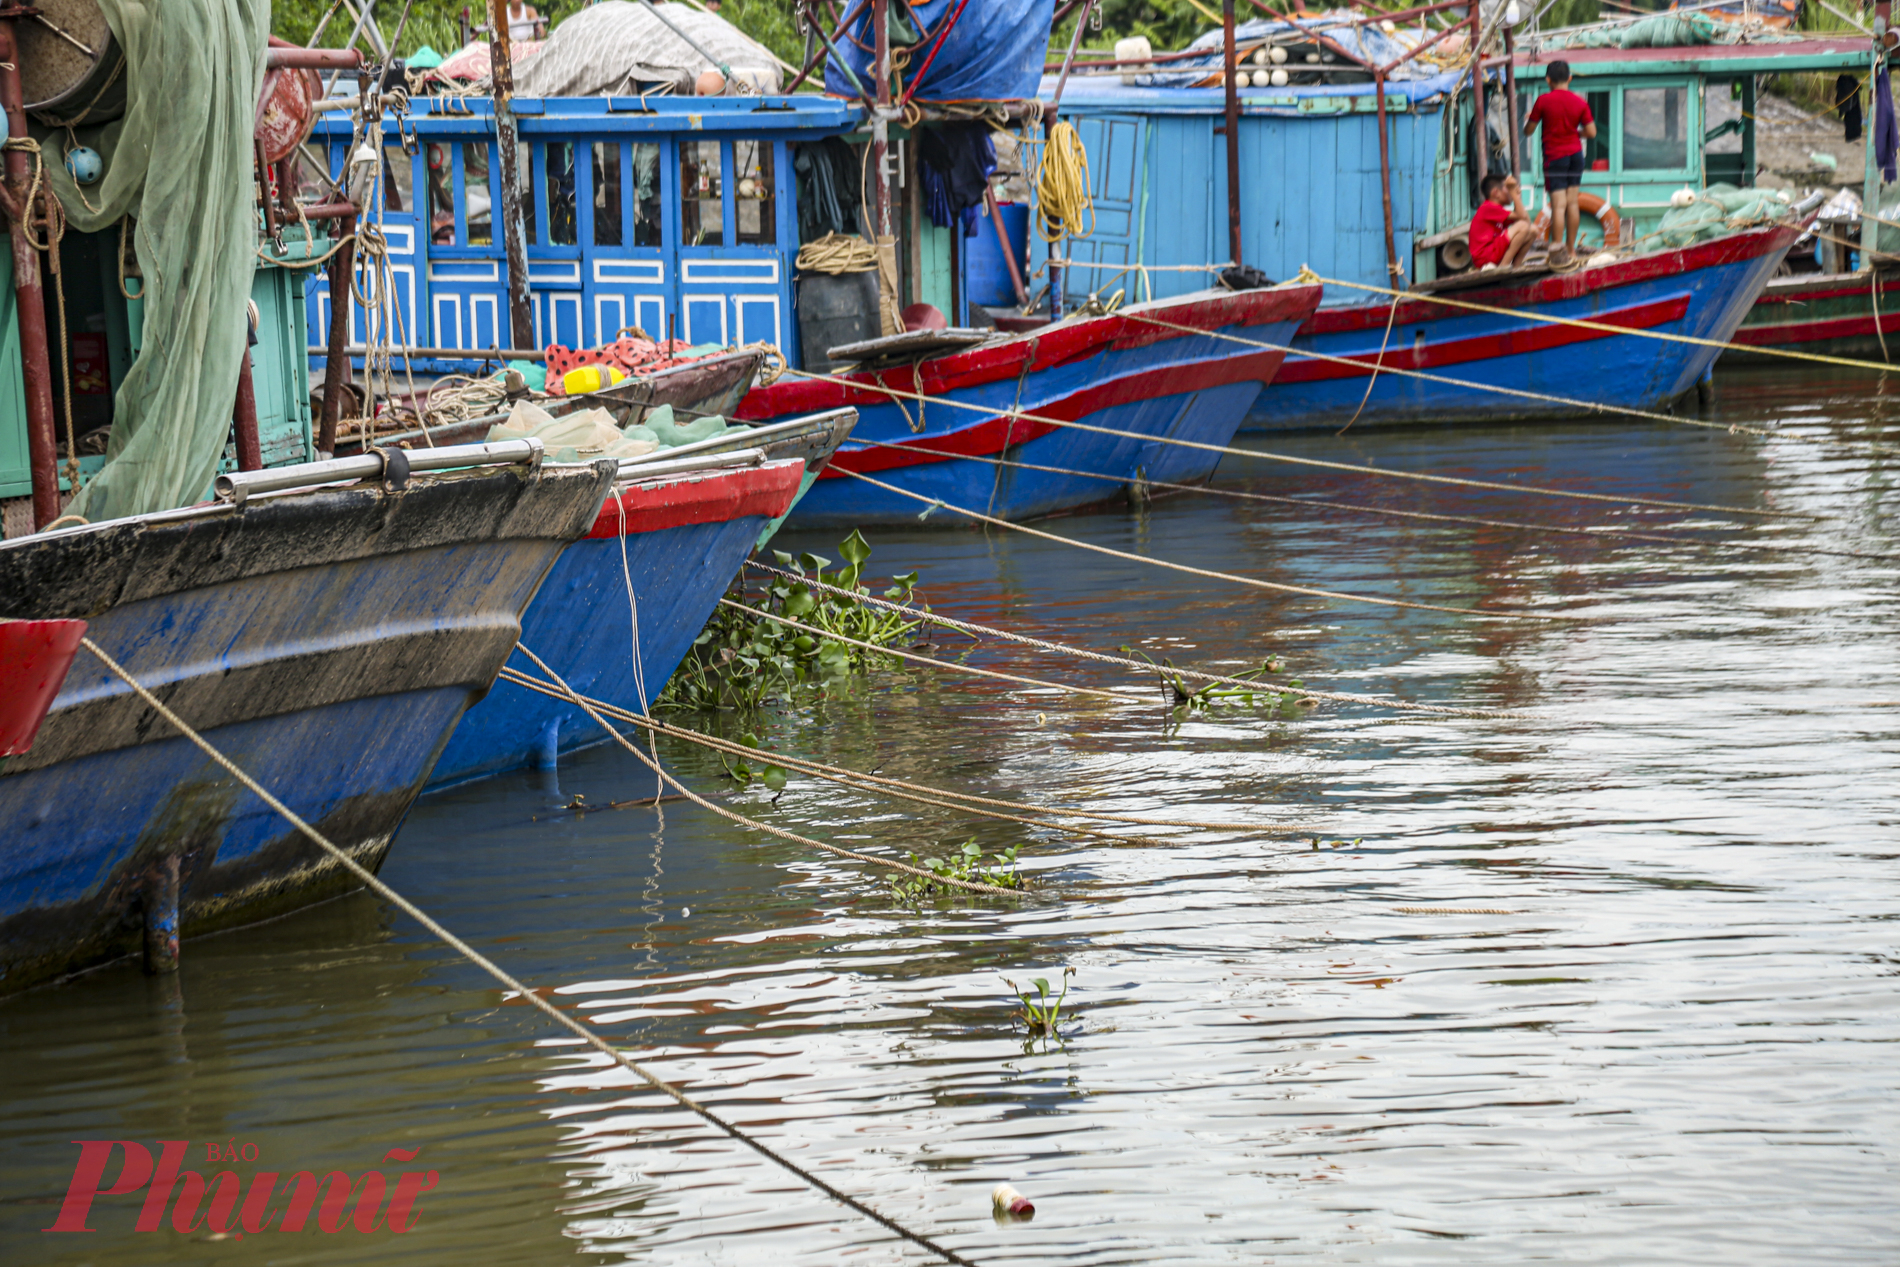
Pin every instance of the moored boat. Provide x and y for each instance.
(659, 553)
(327, 640)
(1155, 372)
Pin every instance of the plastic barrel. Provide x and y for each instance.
(985, 274)
(834, 311)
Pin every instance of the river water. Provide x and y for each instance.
(1664, 1032)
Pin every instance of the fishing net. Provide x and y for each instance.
(1718, 210)
(1667, 30)
(179, 161)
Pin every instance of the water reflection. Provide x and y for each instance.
(1613, 983)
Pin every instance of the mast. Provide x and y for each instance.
(29, 294)
(1233, 134)
(501, 62)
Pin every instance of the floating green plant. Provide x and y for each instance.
(1276, 695)
(747, 656)
(1041, 1014)
(965, 864)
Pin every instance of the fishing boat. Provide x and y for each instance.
(623, 604)
(970, 427)
(1396, 134)
(326, 639)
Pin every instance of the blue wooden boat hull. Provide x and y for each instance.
(1703, 291)
(685, 539)
(1161, 371)
(327, 642)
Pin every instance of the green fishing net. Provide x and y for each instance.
(1717, 210)
(179, 160)
(1666, 30)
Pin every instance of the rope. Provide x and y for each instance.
(1470, 520)
(587, 707)
(1269, 456)
(887, 787)
(1203, 572)
(553, 1013)
(1119, 696)
(837, 253)
(1581, 324)
(1452, 910)
(1062, 187)
(1101, 657)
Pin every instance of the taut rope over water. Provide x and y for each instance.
(566, 1022)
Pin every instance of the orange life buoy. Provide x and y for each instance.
(1592, 205)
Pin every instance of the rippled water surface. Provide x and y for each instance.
(1611, 982)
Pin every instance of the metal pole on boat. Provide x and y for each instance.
(336, 366)
(29, 296)
(1483, 137)
(1049, 120)
(1233, 138)
(1510, 101)
(880, 159)
(1385, 186)
(501, 62)
(250, 453)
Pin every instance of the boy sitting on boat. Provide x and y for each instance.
(1500, 227)
(1567, 124)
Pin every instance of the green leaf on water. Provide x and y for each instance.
(855, 548)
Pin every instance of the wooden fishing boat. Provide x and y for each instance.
(660, 552)
(1481, 360)
(327, 640)
(1154, 372)
(1400, 163)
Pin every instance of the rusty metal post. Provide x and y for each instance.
(336, 368)
(250, 452)
(1510, 101)
(1233, 136)
(1009, 253)
(1050, 118)
(29, 297)
(1477, 99)
(1397, 278)
(880, 126)
(160, 899)
(514, 242)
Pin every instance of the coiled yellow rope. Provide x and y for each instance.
(837, 253)
(1062, 187)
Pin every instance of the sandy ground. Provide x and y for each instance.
(1786, 139)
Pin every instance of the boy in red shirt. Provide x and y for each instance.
(1500, 228)
(1567, 124)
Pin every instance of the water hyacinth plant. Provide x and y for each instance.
(1041, 1014)
(965, 864)
(747, 656)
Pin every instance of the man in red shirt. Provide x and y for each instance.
(1500, 228)
(1567, 124)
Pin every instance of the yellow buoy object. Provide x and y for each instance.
(590, 378)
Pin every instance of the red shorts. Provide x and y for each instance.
(1493, 253)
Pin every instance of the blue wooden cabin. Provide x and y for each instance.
(1309, 162)
(674, 214)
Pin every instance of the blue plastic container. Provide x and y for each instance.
(985, 274)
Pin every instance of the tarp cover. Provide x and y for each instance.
(1367, 42)
(1667, 30)
(993, 53)
(179, 160)
(617, 47)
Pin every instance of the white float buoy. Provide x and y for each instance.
(1279, 79)
(1276, 55)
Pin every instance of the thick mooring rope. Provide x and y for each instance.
(858, 780)
(583, 1032)
(1102, 657)
(1474, 521)
(1265, 455)
(1230, 577)
(587, 707)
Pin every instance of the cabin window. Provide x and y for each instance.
(1596, 149)
(1655, 129)
(609, 193)
(702, 214)
(646, 193)
(1722, 119)
(398, 180)
(530, 190)
(441, 195)
(475, 195)
(752, 202)
(563, 228)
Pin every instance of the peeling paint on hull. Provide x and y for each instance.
(327, 642)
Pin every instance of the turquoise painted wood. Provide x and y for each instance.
(16, 473)
(1158, 175)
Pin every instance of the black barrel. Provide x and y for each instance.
(834, 310)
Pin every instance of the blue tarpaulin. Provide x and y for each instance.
(993, 53)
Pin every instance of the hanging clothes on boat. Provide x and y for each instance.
(955, 163)
(1886, 137)
(1847, 99)
(180, 162)
(827, 174)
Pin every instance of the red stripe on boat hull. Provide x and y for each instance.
(1534, 338)
(714, 497)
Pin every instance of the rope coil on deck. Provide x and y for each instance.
(575, 1027)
